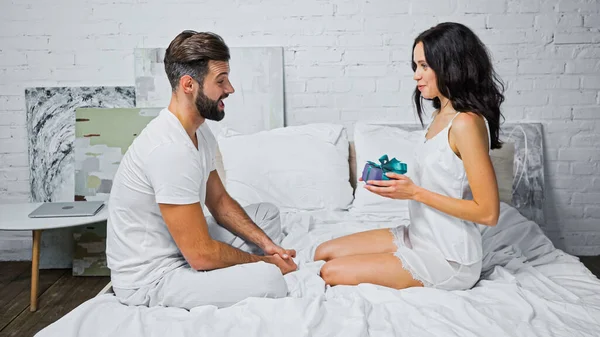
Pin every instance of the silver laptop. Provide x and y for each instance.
(67, 209)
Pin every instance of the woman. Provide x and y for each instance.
(454, 186)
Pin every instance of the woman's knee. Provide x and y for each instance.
(324, 251)
(332, 273)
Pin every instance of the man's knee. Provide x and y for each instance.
(269, 281)
(267, 217)
(268, 211)
(223, 287)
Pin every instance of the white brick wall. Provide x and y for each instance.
(345, 60)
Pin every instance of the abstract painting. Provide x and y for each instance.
(256, 74)
(102, 136)
(50, 114)
(528, 169)
(51, 131)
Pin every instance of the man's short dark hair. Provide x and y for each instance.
(189, 53)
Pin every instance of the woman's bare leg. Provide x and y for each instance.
(383, 269)
(368, 242)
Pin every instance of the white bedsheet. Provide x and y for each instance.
(528, 288)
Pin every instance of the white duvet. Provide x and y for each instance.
(528, 288)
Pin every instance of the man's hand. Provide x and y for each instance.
(272, 249)
(286, 266)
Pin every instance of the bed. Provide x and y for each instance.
(527, 286)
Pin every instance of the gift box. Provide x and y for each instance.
(373, 171)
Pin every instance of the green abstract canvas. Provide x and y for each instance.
(102, 136)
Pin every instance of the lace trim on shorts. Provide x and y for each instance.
(401, 241)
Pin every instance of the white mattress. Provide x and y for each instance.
(528, 288)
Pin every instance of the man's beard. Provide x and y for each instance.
(209, 108)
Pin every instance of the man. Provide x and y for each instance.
(160, 247)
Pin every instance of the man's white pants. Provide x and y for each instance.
(186, 288)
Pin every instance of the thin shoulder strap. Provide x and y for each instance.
(487, 126)
(452, 120)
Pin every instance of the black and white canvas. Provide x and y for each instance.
(51, 133)
(528, 169)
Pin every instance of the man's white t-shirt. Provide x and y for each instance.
(163, 166)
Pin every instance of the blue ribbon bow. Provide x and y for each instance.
(387, 165)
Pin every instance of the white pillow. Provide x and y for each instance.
(296, 168)
(371, 141)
